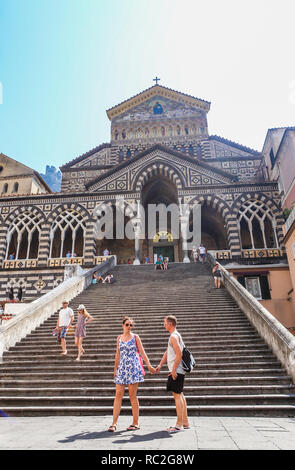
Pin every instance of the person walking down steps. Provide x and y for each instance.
(65, 319)
(129, 371)
(80, 331)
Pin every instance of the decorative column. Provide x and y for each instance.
(44, 245)
(137, 226)
(89, 244)
(184, 225)
(3, 243)
(233, 236)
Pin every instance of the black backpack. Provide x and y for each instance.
(188, 362)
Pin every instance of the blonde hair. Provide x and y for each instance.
(85, 313)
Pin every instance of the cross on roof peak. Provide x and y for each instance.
(156, 79)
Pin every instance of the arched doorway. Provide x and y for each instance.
(160, 237)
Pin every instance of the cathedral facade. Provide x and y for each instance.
(160, 152)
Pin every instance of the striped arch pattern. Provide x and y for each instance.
(223, 209)
(270, 204)
(158, 169)
(32, 210)
(3, 231)
(45, 234)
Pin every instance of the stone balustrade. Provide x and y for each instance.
(278, 338)
(36, 312)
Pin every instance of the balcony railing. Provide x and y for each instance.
(262, 253)
(220, 254)
(60, 262)
(19, 263)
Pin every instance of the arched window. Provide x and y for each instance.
(15, 188)
(178, 130)
(116, 135)
(128, 154)
(67, 235)
(124, 134)
(257, 226)
(163, 131)
(5, 188)
(186, 130)
(23, 236)
(170, 131)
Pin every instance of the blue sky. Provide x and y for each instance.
(63, 63)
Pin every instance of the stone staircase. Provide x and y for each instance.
(236, 373)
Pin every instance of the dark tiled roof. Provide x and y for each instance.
(158, 86)
(84, 155)
(165, 149)
(235, 144)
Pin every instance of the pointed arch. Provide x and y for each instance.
(158, 168)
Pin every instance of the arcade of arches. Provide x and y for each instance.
(256, 227)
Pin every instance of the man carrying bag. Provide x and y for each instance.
(173, 357)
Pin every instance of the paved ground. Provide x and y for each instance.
(89, 433)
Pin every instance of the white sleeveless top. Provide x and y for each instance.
(171, 354)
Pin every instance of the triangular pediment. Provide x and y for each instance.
(94, 157)
(158, 101)
(189, 172)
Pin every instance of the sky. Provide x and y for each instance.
(63, 63)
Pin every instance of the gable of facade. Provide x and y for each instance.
(159, 160)
(16, 178)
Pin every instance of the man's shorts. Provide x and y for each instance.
(176, 385)
(63, 332)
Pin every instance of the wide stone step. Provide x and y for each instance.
(92, 359)
(215, 342)
(111, 336)
(150, 390)
(78, 375)
(148, 400)
(200, 410)
(192, 381)
(93, 348)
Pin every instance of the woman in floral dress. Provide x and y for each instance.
(80, 331)
(128, 371)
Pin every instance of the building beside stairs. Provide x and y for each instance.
(160, 152)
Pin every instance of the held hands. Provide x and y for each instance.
(152, 370)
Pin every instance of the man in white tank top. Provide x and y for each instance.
(173, 357)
